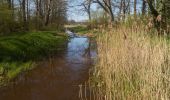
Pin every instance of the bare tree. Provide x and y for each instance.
(124, 8)
(87, 7)
(107, 7)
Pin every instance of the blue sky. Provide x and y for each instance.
(75, 12)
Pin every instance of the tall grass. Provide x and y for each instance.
(131, 65)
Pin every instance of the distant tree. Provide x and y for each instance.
(6, 17)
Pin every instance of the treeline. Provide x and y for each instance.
(156, 13)
(25, 15)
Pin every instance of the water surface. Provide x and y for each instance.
(56, 78)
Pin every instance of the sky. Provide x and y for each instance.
(76, 12)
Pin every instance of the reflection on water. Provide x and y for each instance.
(56, 78)
(77, 47)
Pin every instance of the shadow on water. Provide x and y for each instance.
(56, 78)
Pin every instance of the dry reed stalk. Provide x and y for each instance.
(131, 66)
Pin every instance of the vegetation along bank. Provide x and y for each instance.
(20, 51)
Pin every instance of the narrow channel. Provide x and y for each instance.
(56, 78)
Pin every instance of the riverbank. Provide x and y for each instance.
(83, 30)
(20, 51)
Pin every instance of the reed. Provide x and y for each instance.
(131, 65)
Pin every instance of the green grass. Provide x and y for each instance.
(18, 51)
(12, 69)
(79, 29)
(29, 46)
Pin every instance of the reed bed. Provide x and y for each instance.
(131, 65)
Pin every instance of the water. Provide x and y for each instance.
(56, 78)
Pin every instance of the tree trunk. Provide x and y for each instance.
(111, 14)
(160, 16)
(154, 12)
(107, 7)
(143, 7)
(120, 9)
(9, 4)
(167, 4)
(28, 13)
(89, 11)
(24, 15)
(129, 7)
(89, 14)
(48, 12)
(135, 3)
(38, 13)
(124, 10)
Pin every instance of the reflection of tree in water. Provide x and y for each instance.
(87, 50)
(81, 53)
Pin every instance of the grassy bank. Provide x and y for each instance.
(18, 51)
(131, 65)
(79, 29)
(83, 30)
(29, 45)
(10, 70)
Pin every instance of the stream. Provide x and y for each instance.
(55, 78)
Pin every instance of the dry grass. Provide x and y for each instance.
(131, 66)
